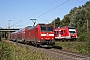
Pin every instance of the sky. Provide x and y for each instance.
(17, 13)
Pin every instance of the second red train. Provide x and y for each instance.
(65, 33)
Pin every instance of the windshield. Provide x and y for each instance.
(72, 32)
(50, 28)
(43, 28)
(46, 28)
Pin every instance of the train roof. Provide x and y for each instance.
(59, 29)
(28, 27)
(43, 24)
(70, 27)
(14, 32)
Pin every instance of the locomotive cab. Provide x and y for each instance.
(59, 33)
(46, 35)
(73, 33)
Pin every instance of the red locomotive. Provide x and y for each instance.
(66, 33)
(39, 35)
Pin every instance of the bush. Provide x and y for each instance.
(4, 52)
(84, 37)
(79, 47)
(9, 51)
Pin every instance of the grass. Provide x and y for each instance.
(79, 47)
(10, 51)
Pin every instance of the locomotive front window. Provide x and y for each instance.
(43, 28)
(50, 28)
(72, 32)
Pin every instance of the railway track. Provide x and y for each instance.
(56, 54)
(70, 55)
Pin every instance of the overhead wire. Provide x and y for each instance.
(53, 8)
(49, 10)
(16, 23)
(45, 7)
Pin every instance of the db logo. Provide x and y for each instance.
(47, 34)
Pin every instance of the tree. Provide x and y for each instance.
(66, 20)
(87, 16)
(56, 22)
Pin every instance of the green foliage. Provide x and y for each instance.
(4, 52)
(79, 17)
(57, 22)
(79, 47)
(9, 51)
(66, 20)
(84, 37)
